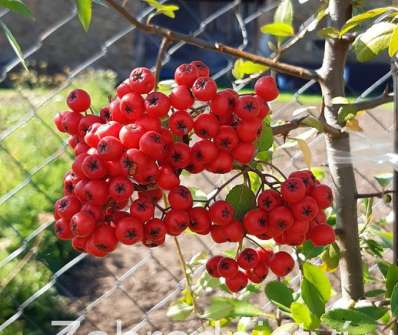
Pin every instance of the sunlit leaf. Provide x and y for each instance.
(244, 67)
(242, 200)
(284, 12)
(393, 46)
(306, 151)
(278, 29)
(14, 44)
(384, 179)
(394, 301)
(303, 316)
(166, 9)
(350, 321)
(179, 311)
(84, 10)
(17, 6)
(279, 294)
(391, 279)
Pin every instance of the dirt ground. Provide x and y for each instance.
(136, 285)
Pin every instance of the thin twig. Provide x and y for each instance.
(159, 60)
(374, 194)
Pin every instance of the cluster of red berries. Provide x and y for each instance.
(135, 149)
(290, 216)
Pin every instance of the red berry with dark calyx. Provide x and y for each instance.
(82, 224)
(222, 164)
(234, 231)
(180, 198)
(206, 125)
(247, 107)
(62, 229)
(237, 283)
(93, 167)
(142, 209)
(186, 74)
(247, 130)
(95, 211)
(180, 123)
(226, 139)
(323, 195)
(167, 178)
(104, 238)
(153, 195)
(142, 80)
(266, 88)
(280, 219)
(199, 220)
(79, 243)
(212, 266)
(221, 213)
(181, 98)
(93, 250)
(228, 267)
(78, 100)
(224, 103)
(70, 122)
(157, 104)
(132, 106)
(255, 222)
(86, 122)
(244, 152)
(268, 200)
(176, 221)
(130, 135)
(110, 148)
(129, 231)
(305, 210)
(322, 234)
(293, 190)
(155, 230)
(123, 88)
(248, 259)
(67, 206)
(307, 177)
(202, 68)
(265, 255)
(96, 192)
(179, 155)
(203, 152)
(204, 89)
(257, 274)
(153, 145)
(120, 188)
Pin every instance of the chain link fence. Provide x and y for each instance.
(132, 288)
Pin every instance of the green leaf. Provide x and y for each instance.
(84, 9)
(308, 250)
(284, 12)
(358, 19)
(331, 257)
(266, 139)
(14, 44)
(350, 321)
(312, 298)
(393, 46)
(179, 311)
(318, 278)
(383, 267)
(245, 67)
(394, 301)
(391, 279)
(168, 10)
(265, 156)
(373, 41)
(17, 6)
(262, 328)
(303, 316)
(319, 172)
(372, 311)
(219, 308)
(346, 113)
(384, 179)
(242, 199)
(374, 293)
(243, 308)
(278, 29)
(279, 294)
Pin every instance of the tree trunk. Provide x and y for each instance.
(332, 71)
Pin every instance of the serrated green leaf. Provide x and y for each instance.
(179, 311)
(393, 45)
(373, 41)
(350, 321)
(242, 199)
(17, 6)
(312, 298)
(14, 44)
(391, 279)
(284, 12)
(84, 10)
(278, 29)
(303, 316)
(266, 139)
(384, 179)
(279, 294)
(394, 301)
(319, 279)
(245, 67)
(360, 18)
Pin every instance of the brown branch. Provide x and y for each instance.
(374, 194)
(370, 103)
(289, 69)
(162, 50)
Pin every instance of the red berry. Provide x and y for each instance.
(281, 263)
(255, 222)
(199, 220)
(104, 238)
(120, 188)
(322, 234)
(179, 155)
(224, 103)
(247, 130)
(202, 68)
(257, 274)
(248, 259)
(203, 152)
(266, 88)
(129, 230)
(181, 98)
(153, 145)
(307, 177)
(132, 106)
(111, 128)
(142, 80)
(85, 124)
(167, 179)
(152, 195)
(221, 212)
(268, 200)
(280, 219)
(247, 107)
(218, 235)
(265, 255)
(154, 230)
(82, 224)
(79, 244)
(237, 283)
(293, 190)
(96, 192)
(180, 198)
(91, 137)
(92, 249)
(95, 211)
(186, 74)
(305, 210)
(234, 231)
(110, 148)
(204, 88)
(78, 100)
(123, 89)
(157, 104)
(142, 209)
(62, 229)
(58, 121)
(244, 152)
(105, 114)
(117, 114)
(323, 196)
(222, 164)
(67, 206)
(176, 221)
(180, 123)
(226, 139)
(264, 108)
(320, 218)
(149, 123)
(228, 267)
(212, 266)
(130, 135)
(70, 122)
(93, 167)
(206, 125)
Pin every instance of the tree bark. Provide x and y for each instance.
(332, 71)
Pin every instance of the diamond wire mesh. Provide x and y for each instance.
(32, 114)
